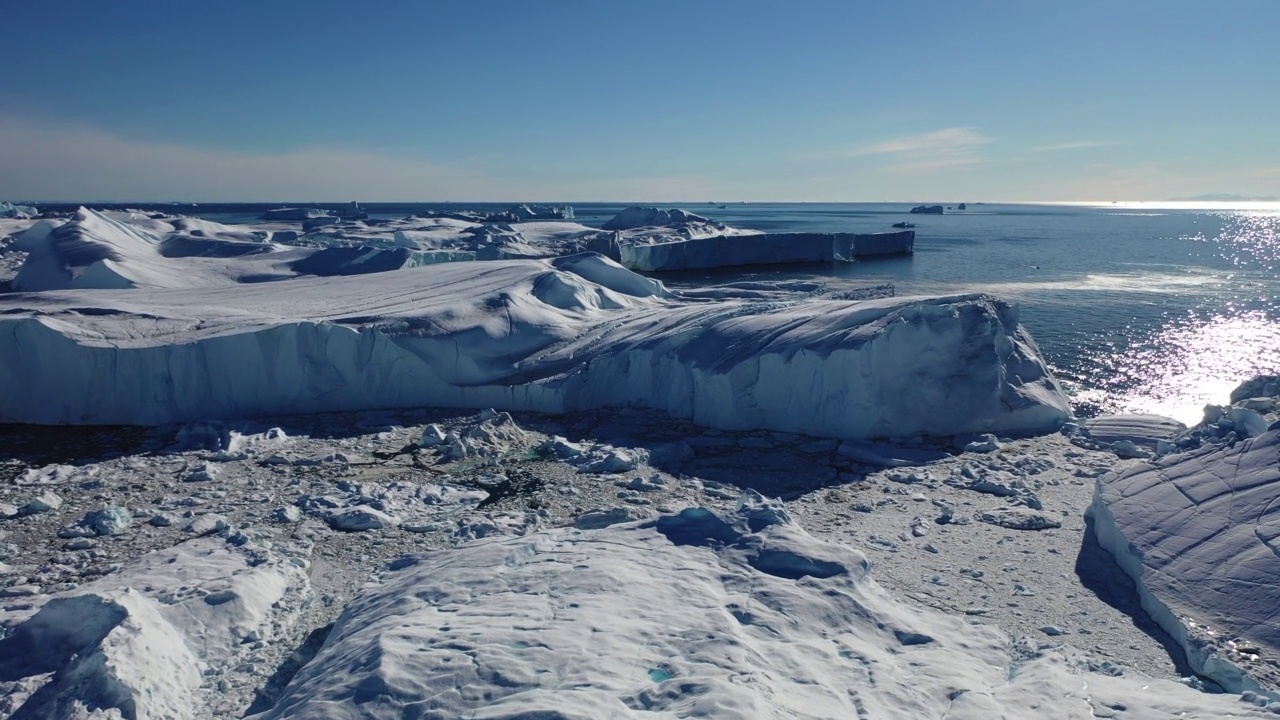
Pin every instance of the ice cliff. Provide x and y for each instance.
(573, 333)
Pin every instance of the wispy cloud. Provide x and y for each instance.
(940, 149)
(1078, 145)
(950, 141)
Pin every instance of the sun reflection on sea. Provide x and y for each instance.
(1191, 363)
(1248, 239)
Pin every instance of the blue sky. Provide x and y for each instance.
(694, 100)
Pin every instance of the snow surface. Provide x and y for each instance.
(117, 250)
(127, 250)
(291, 479)
(572, 333)
(1200, 534)
(692, 614)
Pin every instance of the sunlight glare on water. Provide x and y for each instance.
(1190, 364)
(1248, 240)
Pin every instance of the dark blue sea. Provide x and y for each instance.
(1137, 307)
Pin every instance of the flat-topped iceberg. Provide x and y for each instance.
(761, 249)
(574, 333)
(653, 240)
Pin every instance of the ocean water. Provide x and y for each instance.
(1138, 307)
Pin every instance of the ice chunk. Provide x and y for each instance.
(1141, 430)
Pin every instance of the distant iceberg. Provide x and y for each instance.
(9, 210)
(292, 214)
(638, 217)
(762, 249)
(652, 240)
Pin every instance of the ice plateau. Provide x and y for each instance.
(572, 333)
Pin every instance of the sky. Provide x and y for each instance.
(550, 100)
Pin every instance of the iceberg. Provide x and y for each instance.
(653, 240)
(33, 236)
(9, 210)
(1199, 532)
(740, 615)
(638, 217)
(293, 214)
(762, 249)
(572, 333)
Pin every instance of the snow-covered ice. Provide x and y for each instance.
(279, 486)
(1200, 534)
(572, 333)
(99, 250)
(693, 614)
(141, 640)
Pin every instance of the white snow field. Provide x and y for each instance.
(1199, 532)
(572, 333)
(691, 614)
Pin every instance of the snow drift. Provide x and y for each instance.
(1200, 534)
(573, 333)
(689, 615)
